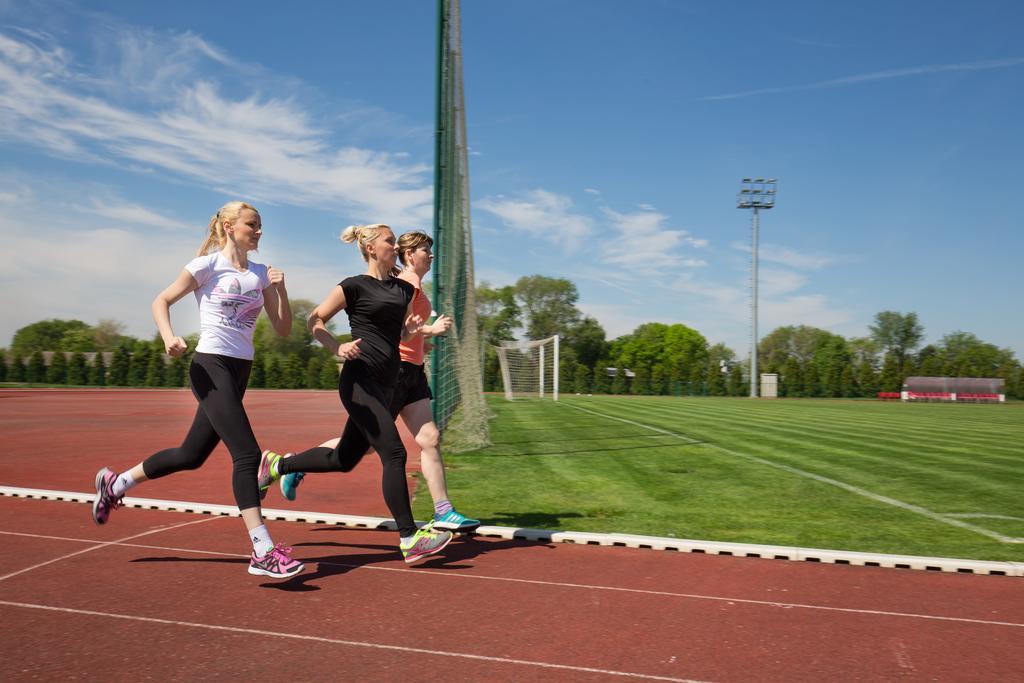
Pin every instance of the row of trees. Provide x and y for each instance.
(676, 359)
(814, 362)
(150, 367)
(660, 358)
(75, 353)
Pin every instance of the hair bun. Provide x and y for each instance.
(350, 234)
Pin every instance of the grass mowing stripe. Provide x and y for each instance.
(875, 421)
(789, 434)
(928, 471)
(825, 480)
(699, 492)
(950, 455)
(912, 461)
(920, 471)
(899, 430)
(999, 536)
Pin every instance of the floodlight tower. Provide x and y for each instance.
(756, 194)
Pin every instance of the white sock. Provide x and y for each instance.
(406, 540)
(124, 481)
(261, 543)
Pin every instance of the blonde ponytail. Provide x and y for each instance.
(216, 238)
(364, 234)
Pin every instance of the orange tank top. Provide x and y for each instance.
(412, 350)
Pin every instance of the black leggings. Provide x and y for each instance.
(370, 423)
(218, 383)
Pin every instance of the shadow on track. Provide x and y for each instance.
(454, 557)
(334, 560)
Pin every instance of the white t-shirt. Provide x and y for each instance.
(229, 303)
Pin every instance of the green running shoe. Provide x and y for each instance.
(267, 472)
(424, 543)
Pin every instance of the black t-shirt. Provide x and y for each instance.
(376, 312)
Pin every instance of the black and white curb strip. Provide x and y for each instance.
(684, 545)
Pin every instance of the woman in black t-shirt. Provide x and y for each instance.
(379, 307)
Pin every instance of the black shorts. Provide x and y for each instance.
(411, 386)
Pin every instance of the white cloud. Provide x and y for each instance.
(725, 298)
(263, 148)
(811, 309)
(495, 277)
(75, 251)
(786, 256)
(793, 258)
(133, 215)
(616, 279)
(857, 79)
(542, 214)
(90, 259)
(775, 282)
(726, 308)
(643, 241)
(14, 192)
(616, 319)
(590, 190)
(87, 273)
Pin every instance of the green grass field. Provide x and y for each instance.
(921, 479)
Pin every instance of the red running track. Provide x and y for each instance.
(58, 439)
(163, 595)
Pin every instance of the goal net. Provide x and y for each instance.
(529, 369)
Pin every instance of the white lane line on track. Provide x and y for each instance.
(351, 643)
(102, 544)
(909, 507)
(561, 584)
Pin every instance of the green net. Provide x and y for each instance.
(456, 377)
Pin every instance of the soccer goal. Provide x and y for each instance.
(529, 369)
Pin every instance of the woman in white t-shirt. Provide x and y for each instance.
(230, 290)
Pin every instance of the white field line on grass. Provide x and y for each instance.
(101, 545)
(909, 507)
(349, 643)
(440, 573)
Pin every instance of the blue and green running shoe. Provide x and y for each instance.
(290, 483)
(453, 521)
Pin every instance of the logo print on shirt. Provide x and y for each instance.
(238, 309)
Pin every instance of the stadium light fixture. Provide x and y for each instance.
(755, 194)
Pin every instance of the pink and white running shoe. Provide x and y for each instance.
(277, 564)
(105, 501)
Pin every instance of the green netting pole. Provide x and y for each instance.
(439, 260)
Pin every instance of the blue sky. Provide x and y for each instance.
(608, 140)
